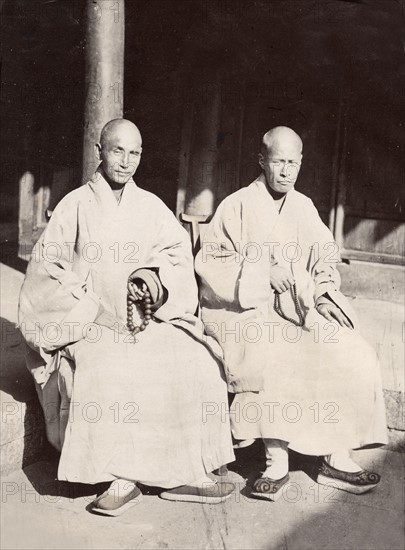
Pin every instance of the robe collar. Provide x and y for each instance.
(106, 200)
(265, 211)
(261, 185)
(267, 203)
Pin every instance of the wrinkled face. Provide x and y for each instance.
(120, 154)
(281, 165)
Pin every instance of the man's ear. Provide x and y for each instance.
(97, 151)
(261, 160)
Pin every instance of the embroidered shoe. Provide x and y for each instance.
(112, 503)
(269, 489)
(352, 482)
(208, 493)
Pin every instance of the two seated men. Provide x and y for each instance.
(129, 382)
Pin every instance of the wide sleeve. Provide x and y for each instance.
(325, 254)
(55, 301)
(323, 264)
(234, 272)
(171, 259)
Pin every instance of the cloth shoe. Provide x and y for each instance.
(118, 498)
(352, 482)
(208, 493)
(269, 489)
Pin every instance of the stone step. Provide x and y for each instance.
(373, 281)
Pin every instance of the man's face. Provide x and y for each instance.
(120, 154)
(281, 165)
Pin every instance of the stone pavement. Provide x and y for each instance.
(22, 430)
(39, 512)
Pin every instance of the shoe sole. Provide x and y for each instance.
(117, 511)
(273, 497)
(194, 498)
(344, 485)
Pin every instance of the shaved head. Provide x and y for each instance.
(280, 159)
(278, 135)
(119, 125)
(119, 151)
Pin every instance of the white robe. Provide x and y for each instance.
(137, 410)
(317, 387)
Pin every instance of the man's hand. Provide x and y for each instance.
(281, 278)
(331, 312)
(137, 290)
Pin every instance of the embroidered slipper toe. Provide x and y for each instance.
(269, 489)
(352, 482)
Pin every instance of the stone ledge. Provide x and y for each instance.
(373, 281)
(394, 403)
(396, 441)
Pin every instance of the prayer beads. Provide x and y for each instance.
(147, 309)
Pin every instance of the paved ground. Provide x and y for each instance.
(38, 512)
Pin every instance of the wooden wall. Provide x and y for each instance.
(204, 79)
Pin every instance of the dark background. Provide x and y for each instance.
(331, 69)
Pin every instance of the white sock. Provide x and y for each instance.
(276, 458)
(342, 461)
(201, 482)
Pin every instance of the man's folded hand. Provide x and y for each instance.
(281, 278)
(137, 289)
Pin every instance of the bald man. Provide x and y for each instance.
(124, 388)
(303, 377)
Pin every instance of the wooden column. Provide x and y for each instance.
(26, 214)
(105, 33)
(338, 196)
(202, 173)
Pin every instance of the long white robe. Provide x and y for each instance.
(137, 410)
(317, 387)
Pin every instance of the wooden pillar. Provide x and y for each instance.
(338, 198)
(105, 33)
(203, 163)
(26, 213)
